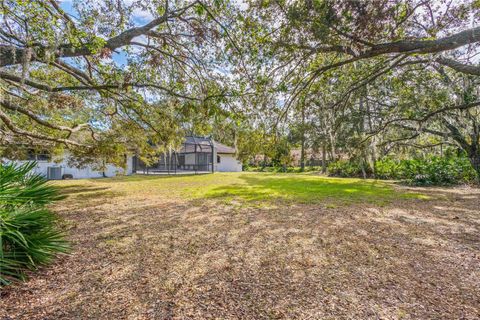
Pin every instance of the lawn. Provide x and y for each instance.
(262, 189)
(253, 245)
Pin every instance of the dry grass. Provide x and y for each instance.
(250, 246)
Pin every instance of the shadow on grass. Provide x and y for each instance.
(307, 189)
(79, 188)
(99, 195)
(137, 177)
(88, 196)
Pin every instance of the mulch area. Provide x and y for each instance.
(410, 259)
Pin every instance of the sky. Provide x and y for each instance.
(140, 17)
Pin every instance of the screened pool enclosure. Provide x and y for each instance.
(194, 156)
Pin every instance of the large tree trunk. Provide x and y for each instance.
(302, 147)
(475, 161)
(332, 146)
(372, 143)
(302, 156)
(374, 159)
(324, 158)
(364, 173)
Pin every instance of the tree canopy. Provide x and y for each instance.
(362, 79)
(109, 75)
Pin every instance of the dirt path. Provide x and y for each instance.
(132, 259)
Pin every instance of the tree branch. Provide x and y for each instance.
(41, 121)
(44, 87)
(9, 124)
(451, 42)
(11, 55)
(426, 46)
(421, 120)
(458, 66)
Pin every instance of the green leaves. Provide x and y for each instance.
(432, 170)
(95, 44)
(199, 9)
(29, 235)
(18, 187)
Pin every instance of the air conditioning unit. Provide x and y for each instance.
(54, 173)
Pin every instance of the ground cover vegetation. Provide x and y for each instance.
(371, 89)
(448, 169)
(257, 245)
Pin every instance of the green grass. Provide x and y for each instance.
(302, 188)
(247, 188)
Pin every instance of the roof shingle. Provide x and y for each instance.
(221, 148)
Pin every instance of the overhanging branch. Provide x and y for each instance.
(9, 124)
(458, 66)
(124, 86)
(39, 120)
(12, 55)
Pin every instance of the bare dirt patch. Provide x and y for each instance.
(158, 258)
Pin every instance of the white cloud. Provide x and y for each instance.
(138, 14)
(143, 15)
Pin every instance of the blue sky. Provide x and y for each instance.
(139, 18)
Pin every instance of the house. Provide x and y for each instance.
(226, 158)
(194, 156)
(312, 157)
(57, 167)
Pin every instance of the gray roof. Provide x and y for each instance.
(221, 148)
(205, 142)
(198, 140)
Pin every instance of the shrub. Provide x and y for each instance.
(432, 170)
(264, 169)
(345, 168)
(29, 236)
(281, 169)
(388, 169)
(439, 171)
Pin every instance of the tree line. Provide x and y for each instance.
(357, 79)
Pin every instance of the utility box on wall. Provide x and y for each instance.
(54, 173)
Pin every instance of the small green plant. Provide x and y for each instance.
(29, 235)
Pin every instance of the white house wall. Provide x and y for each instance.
(77, 173)
(228, 163)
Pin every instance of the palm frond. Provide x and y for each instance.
(29, 233)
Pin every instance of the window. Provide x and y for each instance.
(43, 156)
(218, 158)
(33, 155)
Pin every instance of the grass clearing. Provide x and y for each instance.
(250, 246)
(247, 188)
(305, 188)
